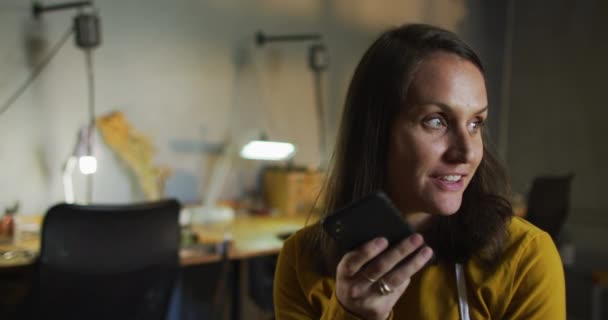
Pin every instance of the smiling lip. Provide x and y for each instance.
(447, 185)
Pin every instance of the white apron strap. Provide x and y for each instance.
(463, 305)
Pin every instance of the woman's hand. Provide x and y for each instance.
(370, 280)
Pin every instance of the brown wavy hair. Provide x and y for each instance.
(375, 97)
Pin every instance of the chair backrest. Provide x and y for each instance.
(108, 261)
(549, 202)
(261, 281)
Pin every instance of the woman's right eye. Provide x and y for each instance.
(434, 122)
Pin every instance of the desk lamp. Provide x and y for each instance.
(87, 37)
(81, 156)
(318, 61)
(267, 150)
(252, 146)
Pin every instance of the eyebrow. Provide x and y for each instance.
(445, 108)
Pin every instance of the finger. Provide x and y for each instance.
(404, 272)
(389, 259)
(352, 262)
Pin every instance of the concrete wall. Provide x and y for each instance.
(187, 74)
(557, 110)
(556, 121)
(557, 107)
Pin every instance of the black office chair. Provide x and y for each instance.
(549, 202)
(261, 280)
(107, 262)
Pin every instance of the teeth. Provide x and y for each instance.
(451, 178)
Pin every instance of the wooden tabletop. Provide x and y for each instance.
(248, 236)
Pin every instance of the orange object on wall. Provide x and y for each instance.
(292, 191)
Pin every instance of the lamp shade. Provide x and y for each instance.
(267, 150)
(83, 150)
(87, 164)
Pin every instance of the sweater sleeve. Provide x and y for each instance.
(538, 283)
(291, 293)
(290, 302)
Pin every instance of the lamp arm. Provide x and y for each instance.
(222, 169)
(38, 9)
(219, 176)
(68, 185)
(261, 38)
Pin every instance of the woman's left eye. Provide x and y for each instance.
(476, 125)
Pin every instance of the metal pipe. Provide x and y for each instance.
(261, 38)
(38, 9)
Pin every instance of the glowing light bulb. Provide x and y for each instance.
(87, 164)
(267, 150)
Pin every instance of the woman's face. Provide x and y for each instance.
(435, 142)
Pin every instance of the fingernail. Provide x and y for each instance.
(426, 252)
(416, 239)
(380, 242)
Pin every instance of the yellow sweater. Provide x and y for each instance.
(527, 284)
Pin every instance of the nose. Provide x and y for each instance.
(461, 146)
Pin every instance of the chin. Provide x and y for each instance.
(446, 207)
(446, 212)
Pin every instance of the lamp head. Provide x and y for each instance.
(87, 164)
(83, 150)
(268, 150)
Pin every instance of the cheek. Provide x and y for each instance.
(413, 158)
(426, 153)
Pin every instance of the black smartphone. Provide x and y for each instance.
(371, 217)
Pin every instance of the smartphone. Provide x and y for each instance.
(371, 217)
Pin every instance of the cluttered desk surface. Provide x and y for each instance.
(247, 236)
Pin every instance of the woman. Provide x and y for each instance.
(413, 127)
